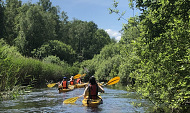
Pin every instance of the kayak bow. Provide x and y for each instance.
(92, 102)
(66, 90)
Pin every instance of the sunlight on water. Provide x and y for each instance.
(49, 100)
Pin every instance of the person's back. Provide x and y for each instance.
(79, 81)
(92, 90)
(64, 83)
(72, 82)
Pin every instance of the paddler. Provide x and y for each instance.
(93, 88)
(79, 81)
(72, 82)
(63, 84)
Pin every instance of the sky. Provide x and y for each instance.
(96, 11)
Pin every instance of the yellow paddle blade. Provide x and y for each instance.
(83, 75)
(113, 80)
(77, 76)
(51, 85)
(70, 100)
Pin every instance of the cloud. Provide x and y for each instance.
(114, 34)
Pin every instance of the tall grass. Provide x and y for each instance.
(17, 70)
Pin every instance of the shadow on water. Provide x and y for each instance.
(49, 100)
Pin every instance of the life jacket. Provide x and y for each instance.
(93, 91)
(72, 82)
(64, 84)
(78, 80)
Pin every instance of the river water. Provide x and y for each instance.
(49, 100)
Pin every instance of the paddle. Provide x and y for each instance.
(77, 76)
(51, 85)
(71, 100)
(83, 75)
(74, 99)
(113, 81)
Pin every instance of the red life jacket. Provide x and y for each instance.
(72, 82)
(64, 84)
(78, 80)
(93, 91)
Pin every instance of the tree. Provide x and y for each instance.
(86, 39)
(2, 27)
(35, 28)
(56, 48)
(10, 12)
(164, 45)
(101, 38)
(46, 4)
(63, 28)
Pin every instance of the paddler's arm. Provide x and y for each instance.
(86, 93)
(100, 89)
(59, 84)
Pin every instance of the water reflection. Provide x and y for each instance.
(49, 100)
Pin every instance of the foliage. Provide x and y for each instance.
(34, 28)
(104, 65)
(8, 70)
(89, 40)
(10, 12)
(57, 48)
(52, 59)
(164, 45)
(18, 70)
(40, 44)
(152, 55)
(1, 19)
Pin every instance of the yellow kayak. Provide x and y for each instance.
(92, 102)
(81, 85)
(75, 86)
(66, 90)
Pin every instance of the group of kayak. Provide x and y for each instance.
(66, 86)
(91, 97)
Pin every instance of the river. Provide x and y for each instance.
(49, 100)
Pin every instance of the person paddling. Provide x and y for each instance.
(63, 84)
(79, 81)
(92, 90)
(72, 82)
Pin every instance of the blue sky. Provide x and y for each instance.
(96, 11)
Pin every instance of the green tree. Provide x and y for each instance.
(63, 28)
(56, 48)
(86, 39)
(34, 28)
(52, 59)
(101, 38)
(164, 45)
(46, 4)
(2, 27)
(128, 53)
(105, 65)
(10, 12)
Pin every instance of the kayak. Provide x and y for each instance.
(75, 86)
(81, 85)
(92, 102)
(66, 90)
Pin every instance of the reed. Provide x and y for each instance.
(17, 70)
